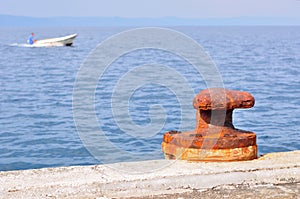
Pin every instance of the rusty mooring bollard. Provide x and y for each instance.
(215, 138)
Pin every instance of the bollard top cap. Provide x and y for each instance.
(222, 99)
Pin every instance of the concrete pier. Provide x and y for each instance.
(275, 175)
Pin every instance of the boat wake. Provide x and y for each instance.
(21, 45)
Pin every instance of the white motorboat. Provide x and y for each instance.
(59, 41)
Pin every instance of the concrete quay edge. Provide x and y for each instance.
(148, 178)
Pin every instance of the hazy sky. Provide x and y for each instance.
(152, 8)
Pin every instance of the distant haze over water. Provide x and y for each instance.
(22, 21)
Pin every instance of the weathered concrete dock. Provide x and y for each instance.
(276, 175)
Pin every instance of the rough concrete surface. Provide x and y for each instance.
(275, 175)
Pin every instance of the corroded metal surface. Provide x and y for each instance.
(226, 139)
(219, 98)
(207, 155)
(214, 138)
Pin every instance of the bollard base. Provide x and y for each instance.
(172, 151)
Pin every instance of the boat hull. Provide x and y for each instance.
(59, 41)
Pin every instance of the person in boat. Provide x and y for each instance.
(31, 39)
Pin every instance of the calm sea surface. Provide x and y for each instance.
(37, 128)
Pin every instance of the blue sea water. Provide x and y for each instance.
(37, 127)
